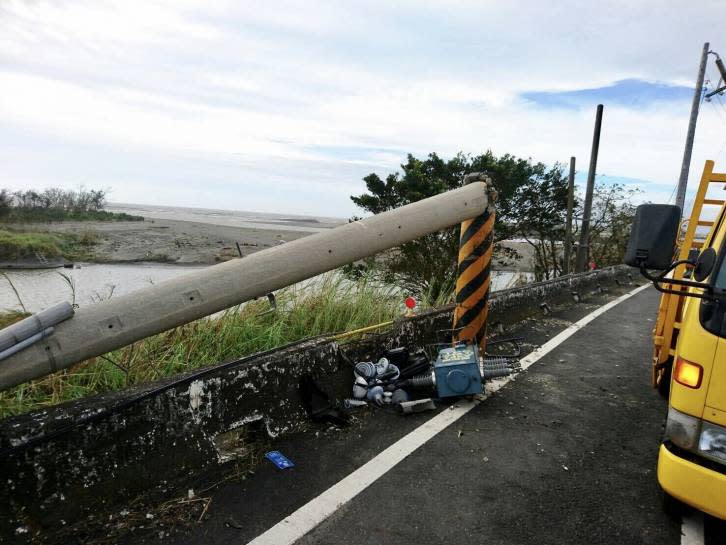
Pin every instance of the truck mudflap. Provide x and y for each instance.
(693, 484)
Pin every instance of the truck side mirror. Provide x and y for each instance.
(653, 236)
(704, 264)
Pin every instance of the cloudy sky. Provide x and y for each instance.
(284, 106)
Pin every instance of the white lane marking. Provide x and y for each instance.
(310, 515)
(692, 529)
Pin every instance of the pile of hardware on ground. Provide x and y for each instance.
(410, 381)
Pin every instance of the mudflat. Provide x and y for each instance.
(171, 241)
(191, 242)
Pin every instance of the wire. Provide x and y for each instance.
(720, 102)
(672, 194)
(720, 151)
(721, 116)
(717, 110)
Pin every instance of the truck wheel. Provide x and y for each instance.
(673, 507)
(664, 385)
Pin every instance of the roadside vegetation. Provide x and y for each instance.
(55, 204)
(18, 245)
(15, 246)
(18, 240)
(334, 305)
(9, 318)
(531, 206)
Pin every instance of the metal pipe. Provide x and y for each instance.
(25, 343)
(106, 326)
(358, 331)
(19, 331)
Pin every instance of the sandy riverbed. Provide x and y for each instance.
(171, 241)
(190, 242)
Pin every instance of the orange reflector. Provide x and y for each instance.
(687, 373)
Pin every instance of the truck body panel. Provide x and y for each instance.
(716, 397)
(698, 346)
(692, 483)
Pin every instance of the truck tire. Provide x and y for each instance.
(673, 507)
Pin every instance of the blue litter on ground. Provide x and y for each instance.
(277, 458)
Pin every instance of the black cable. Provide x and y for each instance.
(516, 341)
(657, 279)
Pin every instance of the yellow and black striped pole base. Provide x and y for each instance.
(476, 244)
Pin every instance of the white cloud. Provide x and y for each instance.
(319, 93)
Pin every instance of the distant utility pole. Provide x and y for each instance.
(686, 165)
(568, 225)
(583, 249)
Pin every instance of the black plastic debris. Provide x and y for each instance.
(318, 406)
(417, 363)
(398, 356)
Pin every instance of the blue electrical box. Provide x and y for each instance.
(457, 371)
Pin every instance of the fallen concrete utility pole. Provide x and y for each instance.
(106, 326)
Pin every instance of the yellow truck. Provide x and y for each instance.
(689, 357)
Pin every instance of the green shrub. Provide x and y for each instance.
(88, 237)
(17, 245)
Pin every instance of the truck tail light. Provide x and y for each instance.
(688, 373)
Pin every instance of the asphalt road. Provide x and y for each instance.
(565, 454)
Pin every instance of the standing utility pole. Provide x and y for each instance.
(686, 165)
(582, 249)
(568, 225)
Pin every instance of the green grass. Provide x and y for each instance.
(332, 306)
(9, 318)
(17, 245)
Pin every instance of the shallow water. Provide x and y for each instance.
(90, 283)
(85, 284)
(233, 218)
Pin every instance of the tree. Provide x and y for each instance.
(6, 201)
(428, 265)
(538, 215)
(612, 215)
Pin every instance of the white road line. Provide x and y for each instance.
(310, 515)
(692, 529)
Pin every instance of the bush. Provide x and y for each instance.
(56, 204)
(88, 237)
(17, 245)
